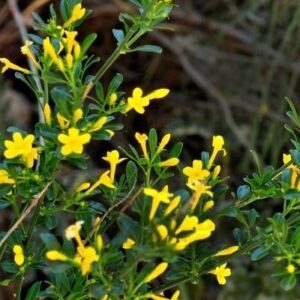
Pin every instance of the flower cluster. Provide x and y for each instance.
(85, 255)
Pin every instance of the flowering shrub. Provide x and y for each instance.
(128, 230)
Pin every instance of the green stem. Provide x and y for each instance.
(17, 213)
(186, 278)
(19, 286)
(125, 44)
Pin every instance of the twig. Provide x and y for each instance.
(13, 6)
(24, 214)
(110, 210)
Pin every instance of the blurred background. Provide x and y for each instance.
(229, 64)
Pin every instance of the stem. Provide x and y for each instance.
(17, 213)
(132, 35)
(186, 278)
(19, 286)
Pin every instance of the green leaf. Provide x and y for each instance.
(296, 156)
(119, 35)
(289, 282)
(5, 282)
(33, 291)
(252, 216)
(131, 174)
(292, 194)
(148, 48)
(259, 253)
(9, 267)
(129, 226)
(50, 241)
(50, 221)
(87, 43)
(176, 150)
(4, 204)
(153, 141)
(115, 83)
(243, 192)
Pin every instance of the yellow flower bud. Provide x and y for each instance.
(47, 114)
(77, 13)
(99, 124)
(99, 242)
(82, 187)
(165, 140)
(158, 270)
(163, 231)
(54, 255)
(113, 98)
(128, 244)
(171, 162)
(291, 268)
(227, 251)
(19, 257)
(78, 113)
(208, 205)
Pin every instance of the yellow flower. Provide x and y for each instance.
(202, 231)
(88, 256)
(200, 189)
(27, 51)
(196, 172)
(189, 223)
(104, 179)
(50, 51)
(227, 251)
(173, 205)
(78, 13)
(84, 257)
(19, 257)
(21, 147)
(157, 197)
(171, 162)
(73, 230)
(113, 157)
(62, 121)
(9, 65)
(142, 140)
(175, 296)
(128, 244)
(73, 142)
(98, 125)
(221, 273)
(70, 40)
(157, 271)
(55, 255)
(4, 177)
(47, 114)
(164, 142)
(217, 143)
(138, 101)
(291, 268)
